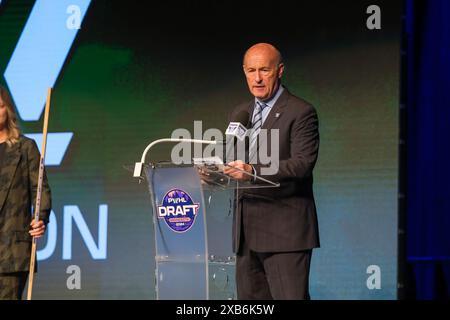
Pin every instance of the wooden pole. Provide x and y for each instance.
(37, 207)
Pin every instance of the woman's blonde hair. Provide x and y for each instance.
(12, 128)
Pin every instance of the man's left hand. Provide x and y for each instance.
(37, 228)
(239, 175)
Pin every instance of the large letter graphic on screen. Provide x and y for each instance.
(72, 215)
(38, 58)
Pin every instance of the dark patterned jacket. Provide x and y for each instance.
(18, 184)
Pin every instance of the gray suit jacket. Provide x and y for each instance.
(18, 185)
(283, 219)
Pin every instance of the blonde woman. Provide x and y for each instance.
(19, 169)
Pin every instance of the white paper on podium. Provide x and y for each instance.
(210, 161)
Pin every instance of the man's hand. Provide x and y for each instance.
(37, 228)
(238, 175)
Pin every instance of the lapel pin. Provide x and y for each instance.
(277, 115)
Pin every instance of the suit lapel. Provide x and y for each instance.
(273, 116)
(9, 167)
(250, 108)
(276, 111)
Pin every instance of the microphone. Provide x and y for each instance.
(238, 126)
(236, 129)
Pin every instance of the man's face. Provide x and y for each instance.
(263, 73)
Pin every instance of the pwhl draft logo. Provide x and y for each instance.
(178, 210)
(37, 61)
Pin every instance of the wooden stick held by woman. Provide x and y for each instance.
(37, 207)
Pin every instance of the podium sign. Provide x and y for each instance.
(179, 218)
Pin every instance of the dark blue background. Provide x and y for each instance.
(427, 84)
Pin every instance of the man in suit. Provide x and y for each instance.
(275, 229)
(19, 169)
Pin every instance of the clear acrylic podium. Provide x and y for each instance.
(192, 215)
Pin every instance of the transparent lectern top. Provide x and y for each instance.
(212, 176)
